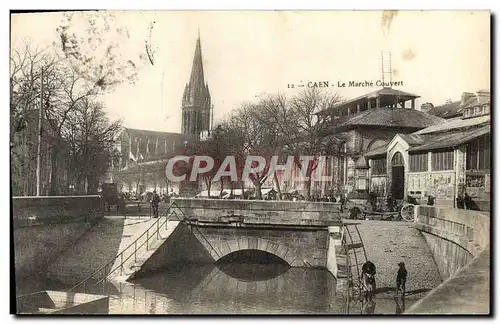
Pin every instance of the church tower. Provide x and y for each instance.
(196, 103)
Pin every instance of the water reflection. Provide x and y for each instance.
(236, 288)
(295, 290)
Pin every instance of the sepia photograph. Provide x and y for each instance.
(245, 162)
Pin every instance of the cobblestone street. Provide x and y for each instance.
(388, 243)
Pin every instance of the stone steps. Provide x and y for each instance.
(97, 247)
(134, 264)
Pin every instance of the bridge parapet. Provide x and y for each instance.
(460, 242)
(259, 212)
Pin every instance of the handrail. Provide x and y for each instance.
(122, 262)
(121, 252)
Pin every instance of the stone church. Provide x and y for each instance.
(140, 156)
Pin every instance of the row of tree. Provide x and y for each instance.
(65, 80)
(275, 125)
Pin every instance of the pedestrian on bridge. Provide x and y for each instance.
(155, 201)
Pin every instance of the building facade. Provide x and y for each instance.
(443, 160)
(140, 156)
(359, 125)
(23, 163)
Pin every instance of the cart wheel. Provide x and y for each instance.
(407, 212)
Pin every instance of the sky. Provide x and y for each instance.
(437, 54)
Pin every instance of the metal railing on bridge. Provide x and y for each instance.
(101, 275)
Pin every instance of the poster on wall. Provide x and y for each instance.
(442, 185)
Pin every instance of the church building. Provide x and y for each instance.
(140, 156)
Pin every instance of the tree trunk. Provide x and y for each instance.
(278, 189)
(307, 185)
(53, 165)
(221, 187)
(258, 190)
(209, 186)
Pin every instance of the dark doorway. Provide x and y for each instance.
(398, 176)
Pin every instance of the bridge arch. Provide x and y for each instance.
(278, 249)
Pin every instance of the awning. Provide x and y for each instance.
(452, 140)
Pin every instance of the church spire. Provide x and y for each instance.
(196, 103)
(197, 80)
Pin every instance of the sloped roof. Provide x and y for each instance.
(450, 140)
(149, 133)
(455, 108)
(388, 117)
(412, 139)
(381, 150)
(455, 123)
(448, 110)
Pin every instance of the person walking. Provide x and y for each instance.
(155, 201)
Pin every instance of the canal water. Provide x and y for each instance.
(239, 284)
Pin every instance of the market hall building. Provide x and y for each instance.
(444, 160)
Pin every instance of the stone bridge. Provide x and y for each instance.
(296, 232)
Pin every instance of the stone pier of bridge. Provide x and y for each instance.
(303, 234)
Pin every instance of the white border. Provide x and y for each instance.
(176, 5)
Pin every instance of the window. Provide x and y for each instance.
(418, 162)
(397, 159)
(379, 166)
(442, 160)
(478, 154)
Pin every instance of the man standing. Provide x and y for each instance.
(155, 200)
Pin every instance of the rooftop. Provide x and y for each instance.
(455, 108)
(387, 117)
(448, 110)
(454, 124)
(448, 140)
(381, 150)
(386, 95)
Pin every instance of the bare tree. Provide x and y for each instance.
(307, 128)
(90, 138)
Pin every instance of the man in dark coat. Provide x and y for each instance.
(155, 201)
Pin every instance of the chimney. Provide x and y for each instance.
(426, 107)
(465, 97)
(483, 96)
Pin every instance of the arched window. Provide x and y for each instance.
(397, 159)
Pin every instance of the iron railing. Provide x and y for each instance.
(107, 269)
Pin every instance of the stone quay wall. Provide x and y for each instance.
(44, 227)
(460, 242)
